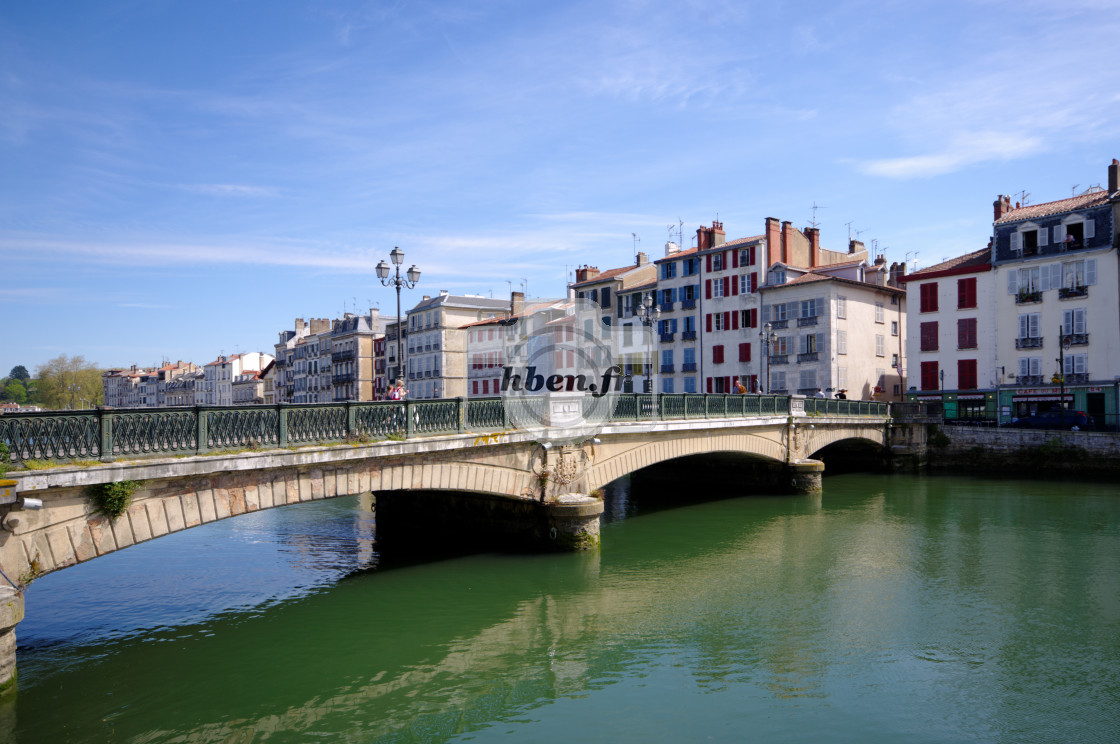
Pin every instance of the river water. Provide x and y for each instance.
(924, 609)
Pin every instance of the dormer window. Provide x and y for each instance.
(778, 276)
(1029, 238)
(1074, 231)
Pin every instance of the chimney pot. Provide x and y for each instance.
(1114, 176)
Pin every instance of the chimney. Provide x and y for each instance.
(641, 259)
(814, 235)
(710, 237)
(586, 273)
(443, 293)
(1001, 206)
(1114, 176)
(671, 248)
(426, 298)
(787, 230)
(773, 241)
(516, 302)
(855, 246)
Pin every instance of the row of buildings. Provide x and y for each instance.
(1029, 323)
(993, 334)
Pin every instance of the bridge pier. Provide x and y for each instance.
(11, 612)
(419, 518)
(805, 476)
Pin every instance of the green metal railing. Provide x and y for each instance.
(109, 434)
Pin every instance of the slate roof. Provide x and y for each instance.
(1034, 211)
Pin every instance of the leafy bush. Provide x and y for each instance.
(112, 499)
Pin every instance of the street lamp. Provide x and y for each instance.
(648, 315)
(1064, 343)
(766, 339)
(412, 276)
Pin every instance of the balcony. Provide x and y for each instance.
(1030, 379)
(779, 324)
(688, 335)
(1070, 293)
(1026, 298)
(688, 304)
(1077, 378)
(1077, 339)
(342, 379)
(688, 367)
(667, 338)
(811, 356)
(1029, 343)
(343, 356)
(779, 359)
(803, 322)
(668, 369)
(667, 307)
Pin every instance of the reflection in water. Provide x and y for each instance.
(937, 609)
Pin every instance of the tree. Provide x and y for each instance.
(20, 373)
(68, 382)
(15, 392)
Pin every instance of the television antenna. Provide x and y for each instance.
(813, 222)
(1024, 197)
(636, 241)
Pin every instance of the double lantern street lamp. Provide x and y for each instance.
(766, 338)
(412, 276)
(648, 315)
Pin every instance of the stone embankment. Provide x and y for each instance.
(1024, 450)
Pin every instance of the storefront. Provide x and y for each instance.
(1098, 401)
(960, 406)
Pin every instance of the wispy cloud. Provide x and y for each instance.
(966, 149)
(228, 189)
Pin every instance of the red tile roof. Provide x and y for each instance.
(975, 261)
(608, 274)
(1034, 211)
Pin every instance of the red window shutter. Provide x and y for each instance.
(753, 255)
(726, 265)
(735, 320)
(754, 378)
(485, 387)
(709, 262)
(744, 352)
(726, 321)
(727, 385)
(734, 282)
(717, 354)
(754, 279)
(726, 293)
(708, 288)
(708, 322)
(734, 259)
(474, 387)
(709, 384)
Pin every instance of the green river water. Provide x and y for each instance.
(892, 608)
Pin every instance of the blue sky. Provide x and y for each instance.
(181, 179)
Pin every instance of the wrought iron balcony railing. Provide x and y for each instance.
(1034, 342)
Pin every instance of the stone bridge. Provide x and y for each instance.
(492, 483)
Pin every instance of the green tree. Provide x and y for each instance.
(15, 392)
(68, 382)
(20, 373)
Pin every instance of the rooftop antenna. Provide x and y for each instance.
(813, 222)
(849, 224)
(525, 286)
(906, 259)
(860, 232)
(636, 241)
(680, 232)
(1024, 197)
(1073, 189)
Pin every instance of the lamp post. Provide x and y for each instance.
(412, 276)
(766, 339)
(1063, 344)
(648, 315)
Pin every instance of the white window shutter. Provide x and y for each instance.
(1043, 236)
(1055, 276)
(1016, 242)
(1036, 366)
(1090, 228)
(1013, 281)
(1059, 234)
(1079, 321)
(1023, 328)
(1024, 366)
(1067, 322)
(1034, 325)
(1044, 280)
(1090, 271)
(1081, 365)
(765, 313)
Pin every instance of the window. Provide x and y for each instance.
(669, 270)
(1029, 325)
(1076, 364)
(808, 379)
(749, 318)
(690, 357)
(841, 377)
(690, 324)
(666, 357)
(928, 296)
(1028, 238)
(778, 276)
(841, 342)
(747, 256)
(880, 347)
(777, 380)
(605, 298)
(779, 311)
(894, 361)
(1073, 321)
(966, 292)
(666, 384)
(929, 376)
(744, 352)
(878, 312)
(894, 327)
(966, 333)
(1030, 280)
(745, 284)
(717, 288)
(690, 384)
(841, 307)
(717, 261)
(966, 374)
(717, 354)
(929, 336)
(781, 346)
(809, 344)
(1079, 274)
(809, 308)
(690, 267)
(1030, 366)
(717, 322)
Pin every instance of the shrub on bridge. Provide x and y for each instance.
(112, 499)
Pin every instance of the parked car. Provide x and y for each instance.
(1055, 420)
